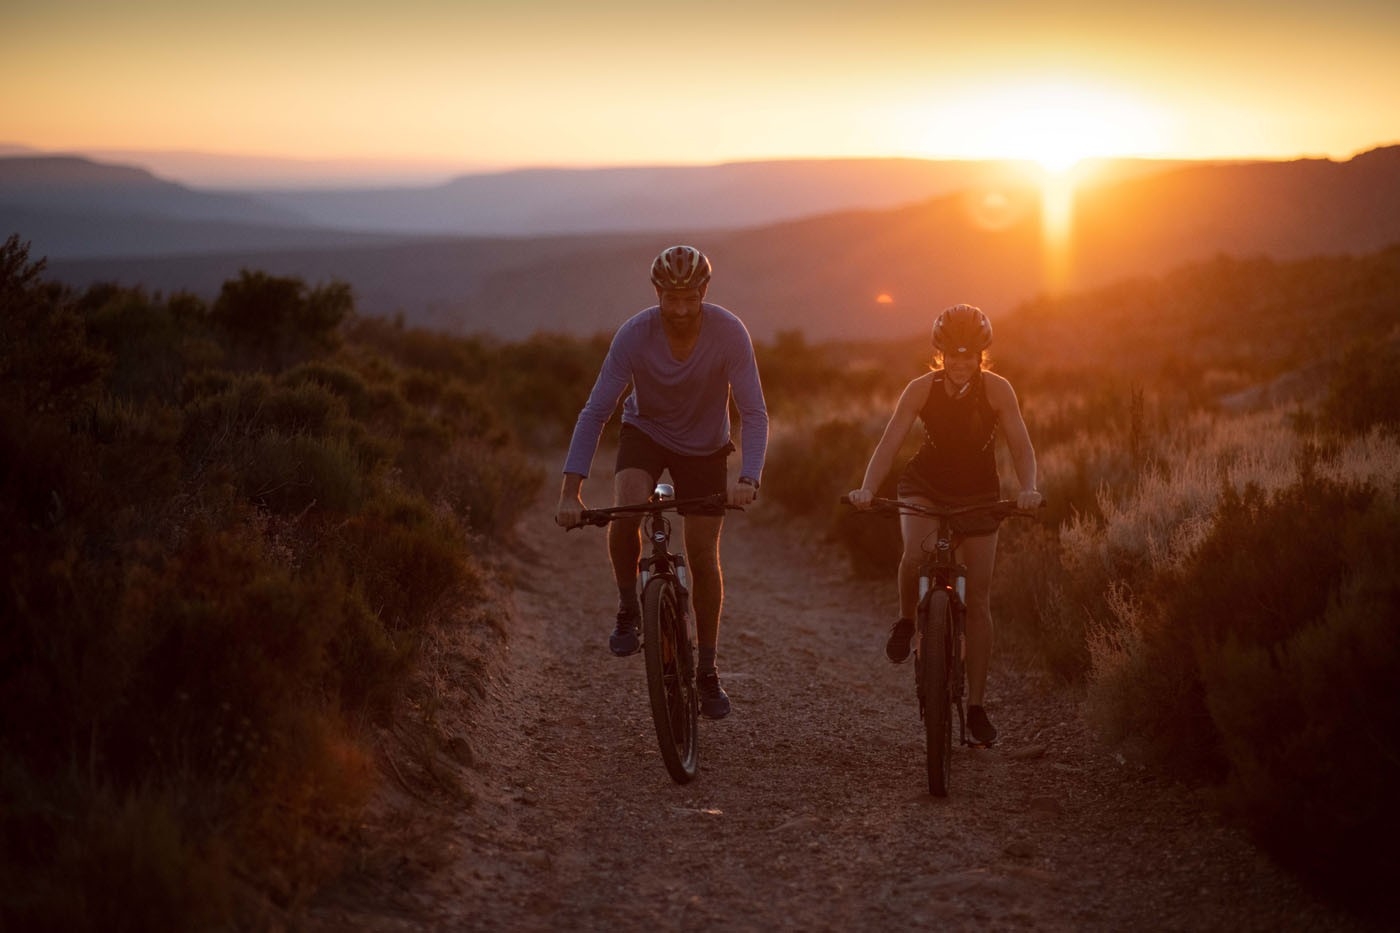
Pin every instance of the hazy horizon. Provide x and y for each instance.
(223, 170)
(433, 89)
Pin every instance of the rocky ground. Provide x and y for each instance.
(543, 803)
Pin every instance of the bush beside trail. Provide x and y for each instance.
(228, 529)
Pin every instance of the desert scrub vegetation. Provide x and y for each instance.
(228, 528)
(1241, 629)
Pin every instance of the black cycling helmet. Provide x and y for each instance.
(962, 328)
(679, 268)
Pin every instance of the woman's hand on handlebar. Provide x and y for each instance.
(860, 498)
(1028, 500)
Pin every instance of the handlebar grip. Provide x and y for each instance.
(845, 500)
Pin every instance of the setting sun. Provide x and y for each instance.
(1055, 125)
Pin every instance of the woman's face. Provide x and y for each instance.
(962, 366)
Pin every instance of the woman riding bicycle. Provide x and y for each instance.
(961, 405)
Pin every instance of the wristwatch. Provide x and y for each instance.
(749, 481)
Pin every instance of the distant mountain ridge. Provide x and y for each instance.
(76, 186)
(823, 275)
(49, 198)
(546, 202)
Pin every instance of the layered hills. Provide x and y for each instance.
(874, 254)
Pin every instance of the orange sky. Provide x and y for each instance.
(529, 82)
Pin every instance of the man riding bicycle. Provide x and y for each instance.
(683, 358)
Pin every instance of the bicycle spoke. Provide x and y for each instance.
(673, 705)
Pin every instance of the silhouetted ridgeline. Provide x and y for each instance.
(822, 275)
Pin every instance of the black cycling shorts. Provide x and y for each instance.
(972, 525)
(693, 477)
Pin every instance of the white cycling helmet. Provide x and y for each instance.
(679, 268)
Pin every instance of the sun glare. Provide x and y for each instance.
(1055, 125)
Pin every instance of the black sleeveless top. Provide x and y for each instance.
(957, 460)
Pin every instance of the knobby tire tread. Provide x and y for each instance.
(674, 706)
(933, 668)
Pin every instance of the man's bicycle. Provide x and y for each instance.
(667, 636)
(940, 677)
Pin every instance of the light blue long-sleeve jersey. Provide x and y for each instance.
(682, 405)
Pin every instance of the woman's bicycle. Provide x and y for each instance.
(667, 636)
(940, 678)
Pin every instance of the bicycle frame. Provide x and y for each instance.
(941, 571)
(667, 635)
(657, 529)
(940, 676)
(662, 560)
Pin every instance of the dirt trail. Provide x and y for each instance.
(810, 811)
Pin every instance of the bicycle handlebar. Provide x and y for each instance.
(1003, 508)
(600, 517)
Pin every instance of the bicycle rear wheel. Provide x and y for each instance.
(934, 627)
(671, 679)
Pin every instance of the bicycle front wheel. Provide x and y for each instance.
(935, 627)
(671, 678)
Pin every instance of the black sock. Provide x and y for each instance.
(707, 659)
(627, 600)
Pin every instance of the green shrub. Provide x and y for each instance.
(286, 445)
(488, 487)
(799, 377)
(46, 362)
(1266, 570)
(274, 322)
(1365, 389)
(808, 471)
(1028, 592)
(404, 573)
(290, 474)
(339, 380)
(189, 647)
(1260, 662)
(112, 861)
(372, 662)
(1307, 721)
(153, 344)
(543, 382)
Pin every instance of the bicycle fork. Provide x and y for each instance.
(674, 566)
(957, 648)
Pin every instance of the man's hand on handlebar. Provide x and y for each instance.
(741, 494)
(569, 513)
(860, 498)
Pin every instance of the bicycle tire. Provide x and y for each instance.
(934, 660)
(671, 679)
